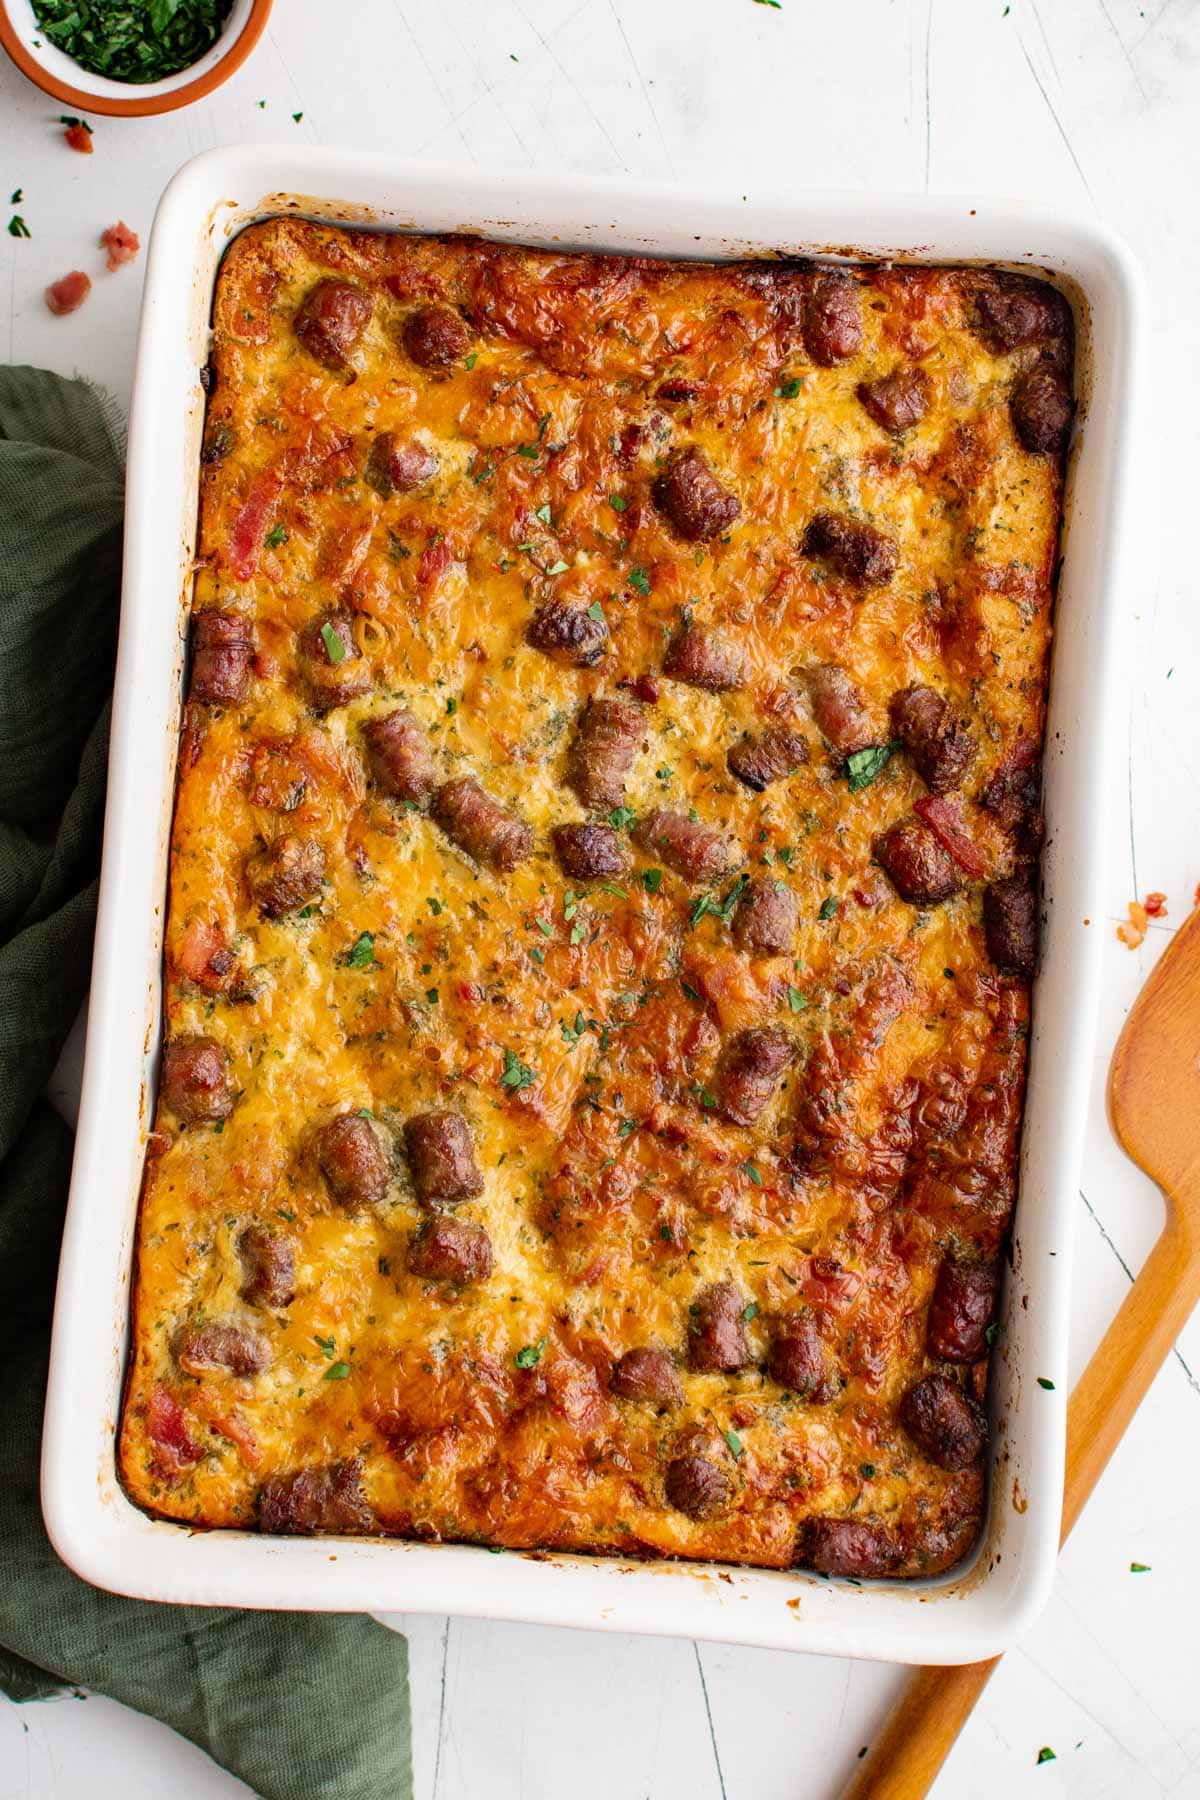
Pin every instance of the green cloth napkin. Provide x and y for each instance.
(301, 1706)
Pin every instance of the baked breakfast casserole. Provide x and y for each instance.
(603, 901)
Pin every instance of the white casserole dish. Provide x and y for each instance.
(982, 1608)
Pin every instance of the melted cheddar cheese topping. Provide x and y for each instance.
(583, 1029)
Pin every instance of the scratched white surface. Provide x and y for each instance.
(1094, 103)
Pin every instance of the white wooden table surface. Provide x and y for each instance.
(1094, 104)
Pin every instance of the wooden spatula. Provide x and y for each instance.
(1154, 1104)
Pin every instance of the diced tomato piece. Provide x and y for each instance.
(79, 137)
(250, 525)
(1156, 906)
(67, 295)
(435, 560)
(202, 954)
(121, 243)
(946, 823)
(166, 1426)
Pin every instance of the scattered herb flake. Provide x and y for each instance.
(652, 880)
(543, 513)
(18, 194)
(325, 1344)
(560, 568)
(472, 359)
(620, 817)
(596, 611)
(796, 1000)
(530, 1355)
(435, 906)
(74, 124)
(335, 650)
(787, 390)
(749, 1170)
(626, 1128)
(451, 708)
(1139, 1568)
(296, 117)
(736, 1446)
(277, 535)
(361, 955)
(867, 1471)
(1046, 1754)
(750, 1311)
(690, 991)
(517, 1075)
(337, 1371)
(829, 907)
(618, 502)
(639, 579)
(431, 994)
(1044, 1383)
(18, 228)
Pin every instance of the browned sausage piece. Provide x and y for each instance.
(846, 1547)
(268, 1267)
(1012, 795)
(285, 875)
(399, 754)
(1041, 408)
(964, 1299)
(330, 661)
(1010, 312)
(479, 825)
(570, 632)
(897, 401)
(590, 852)
(765, 921)
(222, 645)
(195, 1080)
(944, 1422)
(353, 1161)
(757, 762)
(697, 1487)
(324, 1497)
(938, 745)
(717, 1329)
(441, 1155)
(749, 1072)
(435, 337)
(704, 658)
(1010, 925)
(856, 551)
(601, 756)
(647, 1374)
(690, 848)
(221, 1344)
(330, 320)
(449, 1249)
(918, 867)
(832, 320)
(800, 1359)
(838, 708)
(692, 500)
(398, 466)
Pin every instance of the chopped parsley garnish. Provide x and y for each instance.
(639, 579)
(337, 1371)
(431, 994)
(1139, 1568)
(867, 1471)
(517, 1075)
(296, 117)
(278, 535)
(71, 122)
(652, 880)
(472, 359)
(787, 390)
(133, 43)
(1046, 1754)
(573, 1033)
(335, 650)
(736, 1446)
(594, 611)
(722, 909)
(560, 568)
(618, 502)
(750, 1311)
(435, 906)
(530, 1355)
(451, 708)
(620, 817)
(361, 955)
(1044, 1383)
(796, 1000)
(708, 1101)
(543, 513)
(689, 991)
(626, 1128)
(325, 1344)
(18, 228)
(749, 1170)
(862, 766)
(15, 199)
(829, 907)
(535, 449)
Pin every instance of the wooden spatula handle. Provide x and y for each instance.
(924, 1725)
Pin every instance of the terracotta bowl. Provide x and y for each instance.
(66, 80)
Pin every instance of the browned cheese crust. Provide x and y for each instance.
(510, 1184)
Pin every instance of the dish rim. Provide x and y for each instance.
(985, 1606)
